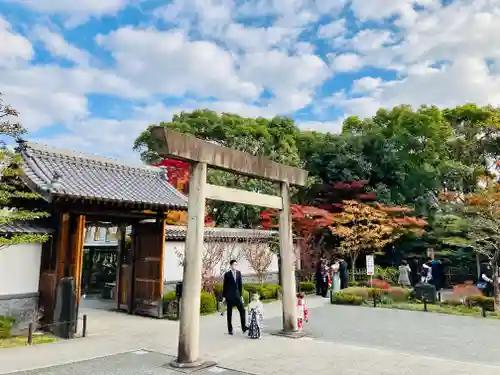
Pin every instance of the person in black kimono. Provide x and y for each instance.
(415, 272)
(318, 277)
(487, 279)
(344, 278)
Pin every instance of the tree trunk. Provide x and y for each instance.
(354, 258)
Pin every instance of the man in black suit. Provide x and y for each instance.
(232, 291)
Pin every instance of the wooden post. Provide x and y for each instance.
(119, 270)
(189, 325)
(288, 287)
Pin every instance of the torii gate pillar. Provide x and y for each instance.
(202, 154)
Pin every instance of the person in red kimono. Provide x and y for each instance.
(302, 312)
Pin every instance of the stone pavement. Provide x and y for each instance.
(112, 333)
(130, 363)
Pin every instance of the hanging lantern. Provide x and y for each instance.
(88, 233)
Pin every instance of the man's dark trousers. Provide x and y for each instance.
(239, 305)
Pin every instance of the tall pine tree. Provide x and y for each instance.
(12, 190)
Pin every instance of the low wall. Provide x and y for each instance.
(22, 307)
(270, 278)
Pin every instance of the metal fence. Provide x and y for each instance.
(40, 333)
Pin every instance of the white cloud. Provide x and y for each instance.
(332, 30)
(446, 56)
(77, 10)
(365, 85)
(345, 62)
(14, 48)
(169, 63)
(58, 46)
(322, 126)
(251, 39)
(331, 7)
(292, 79)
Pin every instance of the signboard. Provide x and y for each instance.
(370, 265)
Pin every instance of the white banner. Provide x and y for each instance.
(370, 265)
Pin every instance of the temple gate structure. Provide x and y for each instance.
(80, 190)
(202, 154)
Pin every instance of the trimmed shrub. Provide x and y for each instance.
(358, 291)
(266, 291)
(487, 303)
(376, 293)
(208, 303)
(307, 287)
(399, 294)
(217, 289)
(169, 296)
(463, 291)
(389, 274)
(252, 288)
(342, 298)
(6, 324)
(452, 303)
(380, 284)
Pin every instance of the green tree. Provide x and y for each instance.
(275, 138)
(481, 211)
(11, 188)
(474, 145)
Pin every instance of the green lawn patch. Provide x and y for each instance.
(14, 342)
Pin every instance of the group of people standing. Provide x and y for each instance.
(332, 276)
(429, 272)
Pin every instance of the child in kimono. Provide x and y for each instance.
(255, 317)
(302, 312)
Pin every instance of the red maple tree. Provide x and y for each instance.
(177, 172)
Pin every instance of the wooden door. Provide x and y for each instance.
(48, 280)
(148, 253)
(123, 272)
(62, 257)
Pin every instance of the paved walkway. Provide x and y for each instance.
(112, 333)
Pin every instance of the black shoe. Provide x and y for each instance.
(245, 329)
(230, 332)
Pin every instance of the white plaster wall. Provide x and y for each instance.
(172, 270)
(20, 269)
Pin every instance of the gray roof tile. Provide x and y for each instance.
(17, 227)
(179, 232)
(91, 177)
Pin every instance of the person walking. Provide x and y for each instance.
(344, 278)
(255, 317)
(336, 277)
(232, 291)
(404, 274)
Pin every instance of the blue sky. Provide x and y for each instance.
(90, 75)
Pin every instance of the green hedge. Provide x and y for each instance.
(487, 303)
(6, 324)
(341, 298)
(208, 303)
(265, 291)
(307, 287)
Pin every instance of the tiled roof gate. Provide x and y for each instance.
(55, 174)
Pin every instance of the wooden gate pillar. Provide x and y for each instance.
(189, 326)
(288, 287)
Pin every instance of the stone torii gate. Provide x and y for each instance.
(200, 154)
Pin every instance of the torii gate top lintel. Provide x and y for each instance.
(171, 143)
